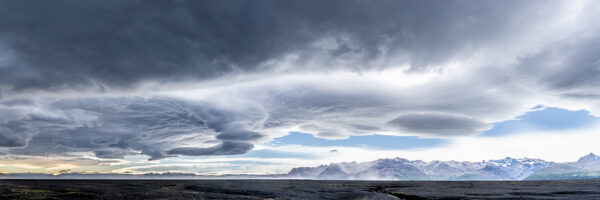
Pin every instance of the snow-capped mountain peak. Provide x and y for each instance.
(591, 157)
(402, 169)
(590, 161)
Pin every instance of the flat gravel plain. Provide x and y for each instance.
(296, 189)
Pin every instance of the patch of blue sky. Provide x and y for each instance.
(546, 119)
(375, 141)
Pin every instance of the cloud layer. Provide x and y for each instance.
(74, 44)
(115, 127)
(442, 124)
(164, 79)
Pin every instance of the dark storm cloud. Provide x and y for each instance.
(14, 134)
(239, 135)
(75, 44)
(225, 148)
(439, 124)
(571, 66)
(115, 127)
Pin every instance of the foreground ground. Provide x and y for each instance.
(295, 189)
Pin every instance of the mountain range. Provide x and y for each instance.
(587, 167)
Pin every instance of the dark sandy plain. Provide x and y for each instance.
(296, 189)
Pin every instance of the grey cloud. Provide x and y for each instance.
(323, 109)
(55, 45)
(12, 140)
(225, 148)
(582, 96)
(111, 153)
(330, 130)
(366, 128)
(243, 135)
(115, 127)
(567, 66)
(112, 45)
(104, 141)
(438, 124)
(18, 133)
(15, 134)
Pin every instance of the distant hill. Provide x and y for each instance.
(587, 167)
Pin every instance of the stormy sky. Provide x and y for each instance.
(260, 86)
